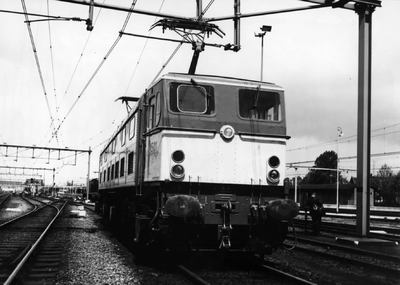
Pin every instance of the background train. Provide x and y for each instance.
(199, 163)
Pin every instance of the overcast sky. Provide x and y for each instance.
(312, 54)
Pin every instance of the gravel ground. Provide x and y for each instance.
(93, 256)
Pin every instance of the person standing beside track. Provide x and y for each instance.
(316, 209)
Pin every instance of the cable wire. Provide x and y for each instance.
(347, 139)
(98, 68)
(141, 54)
(38, 65)
(52, 64)
(80, 57)
(180, 44)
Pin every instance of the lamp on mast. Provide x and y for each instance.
(264, 29)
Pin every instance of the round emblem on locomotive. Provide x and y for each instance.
(227, 132)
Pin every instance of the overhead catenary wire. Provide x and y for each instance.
(38, 66)
(48, 18)
(59, 135)
(39, 156)
(382, 155)
(180, 44)
(141, 54)
(55, 133)
(98, 134)
(97, 69)
(347, 139)
(80, 58)
(52, 61)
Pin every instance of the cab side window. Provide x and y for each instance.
(132, 128)
(154, 111)
(259, 105)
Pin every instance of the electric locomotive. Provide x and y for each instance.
(199, 163)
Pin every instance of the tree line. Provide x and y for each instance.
(386, 182)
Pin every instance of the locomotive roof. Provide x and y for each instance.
(219, 80)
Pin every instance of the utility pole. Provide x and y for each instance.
(340, 133)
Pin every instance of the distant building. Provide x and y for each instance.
(11, 186)
(327, 193)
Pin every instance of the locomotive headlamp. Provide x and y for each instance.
(227, 132)
(273, 176)
(177, 171)
(178, 156)
(274, 161)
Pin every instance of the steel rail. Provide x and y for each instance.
(347, 249)
(193, 277)
(286, 276)
(4, 198)
(392, 234)
(16, 271)
(351, 261)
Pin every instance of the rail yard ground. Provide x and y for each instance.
(92, 255)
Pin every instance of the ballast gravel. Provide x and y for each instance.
(93, 256)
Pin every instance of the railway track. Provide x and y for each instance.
(19, 207)
(378, 261)
(331, 245)
(271, 275)
(4, 197)
(285, 276)
(379, 232)
(239, 268)
(191, 276)
(374, 264)
(21, 242)
(12, 207)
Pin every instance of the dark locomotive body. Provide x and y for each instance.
(197, 163)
